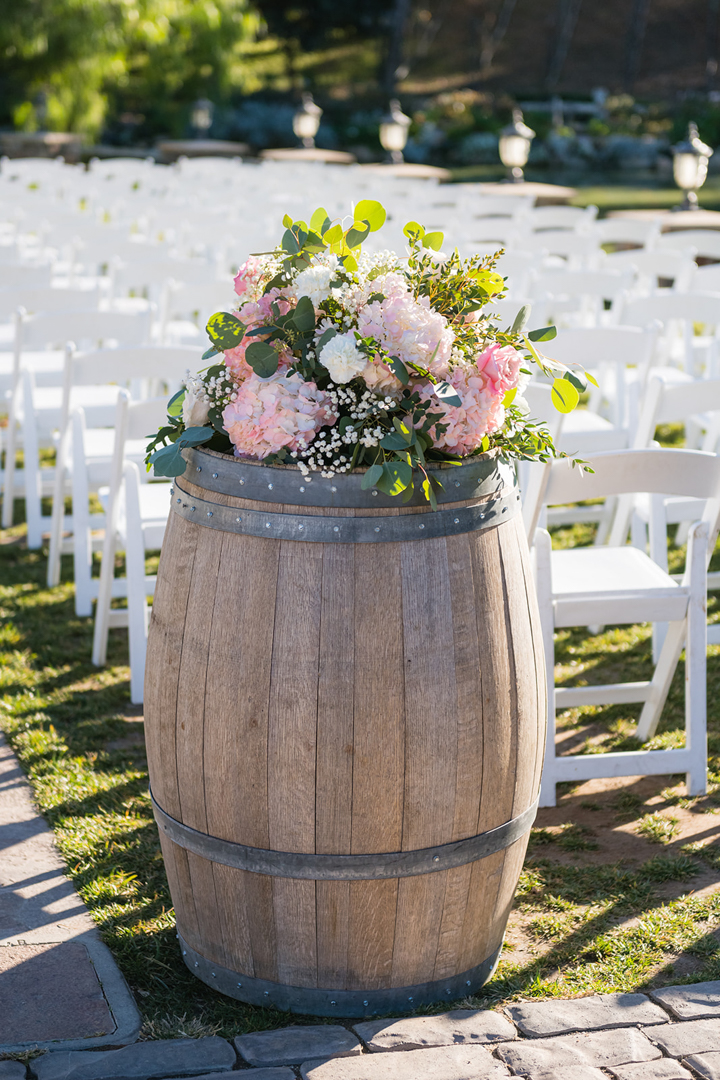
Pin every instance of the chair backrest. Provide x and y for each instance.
(91, 327)
(706, 242)
(34, 301)
(570, 245)
(706, 278)
(165, 363)
(560, 217)
(693, 473)
(614, 230)
(667, 402)
(602, 346)
(25, 277)
(702, 307)
(658, 263)
(603, 284)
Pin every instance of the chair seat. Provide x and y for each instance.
(584, 431)
(613, 585)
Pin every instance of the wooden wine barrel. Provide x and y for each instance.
(345, 716)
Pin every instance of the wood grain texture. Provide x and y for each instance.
(344, 698)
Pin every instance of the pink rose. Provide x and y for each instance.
(500, 366)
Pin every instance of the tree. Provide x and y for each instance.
(65, 62)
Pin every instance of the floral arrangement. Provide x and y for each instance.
(337, 358)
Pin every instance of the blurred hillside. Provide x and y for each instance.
(654, 48)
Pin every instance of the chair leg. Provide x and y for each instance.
(31, 471)
(696, 663)
(57, 520)
(662, 677)
(10, 448)
(136, 587)
(82, 537)
(543, 584)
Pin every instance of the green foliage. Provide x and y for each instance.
(148, 57)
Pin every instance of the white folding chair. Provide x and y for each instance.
(694, 354)
(136, 517)
(573, 218)
(623, 585)
(654, 267)
(579, 298)
(704, 242)
(42, 406)
(146, 368)
(580, 250)
(643, 234)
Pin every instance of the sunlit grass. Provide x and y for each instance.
(592, 925)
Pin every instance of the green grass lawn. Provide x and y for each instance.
(620, 888)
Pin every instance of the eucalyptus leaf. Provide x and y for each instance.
(564, 395)
(371, 477)
(447, 394)
(521, 319)
(168, 461)
(393, 441)
(396, 475)
(320, 221)
(262, 358)
(289, 242)
(209, 353)
(287, 221)
(433, 240)
(371, 211)
(398, 369)
(304, 315)
(579, 384)
(414, 231)
(175, 403)
(357, 234)
(328, 335)
(547, 333)
(225, 330)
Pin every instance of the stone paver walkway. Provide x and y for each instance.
(61, 991)
(59, 984)
(620, 1036)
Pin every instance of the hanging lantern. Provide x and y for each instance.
(201, 117)
(514, 146)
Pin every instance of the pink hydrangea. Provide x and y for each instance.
(409, 328)
(269, 414)
(255, 313)
(501, 367)
(480, 414)
(249, 275)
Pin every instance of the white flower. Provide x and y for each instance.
(194, 410)
(342, 358)
(315, 281)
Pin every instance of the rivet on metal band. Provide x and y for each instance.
(477, 478)
(314, 867)
(316, 528)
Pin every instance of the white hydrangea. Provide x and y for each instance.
(314, 282)
(342, 358)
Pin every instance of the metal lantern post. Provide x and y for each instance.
(306, 121)
(394, 128)
(690, 166)
(514, 146)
